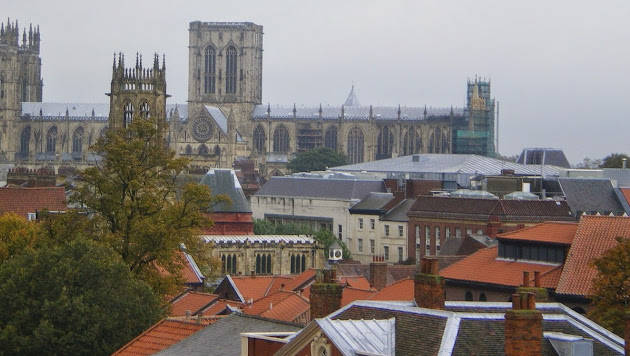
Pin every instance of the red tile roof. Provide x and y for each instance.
(29, 200)
(301, 280)
(551, 232)
(191, 301)
(163, 334)
(219, 306)
(350, 294)
(400, 290)
(483, 267)
(594, 236)
(281, 305)
(359, 282)
(256, 287)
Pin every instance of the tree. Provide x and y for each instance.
(133, 201)
(17, 235)
(614, 160)
(74, 298)
(316, 160)
(611, 296)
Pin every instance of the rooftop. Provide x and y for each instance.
(548, 232)
(354, 112)
(322, 188)
(594, 236)
(22, 201)
(591, 196)
(224, 181)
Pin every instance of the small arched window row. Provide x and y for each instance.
(298, 263)
(51, 140)
(127, 114)
(281, 139)
(355, 145)
(229, 263)
(260, 139)
(263, 263)
(77, 141)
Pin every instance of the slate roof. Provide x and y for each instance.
(484, 267)
(339, 189)
(465, 245)
(619, 176)
(223, 338)
(163, 334)
(594, 236)
(591, 196)
(467, 328)
(22, 201)
(481, 209)
(84, 111)
(373, 203)
(552, 156)
(224, 181)
(399, 211)
(218, 117)
(447, 163)
(547, 232)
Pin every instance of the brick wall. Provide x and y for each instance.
(523, 327)
(429, 286)
(378, 275)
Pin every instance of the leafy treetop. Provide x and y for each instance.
(316, 160)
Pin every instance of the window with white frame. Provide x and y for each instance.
(386, 230)
(372, 246)
(372, 224)
(401, 231)
(386, 252)
(360, 245)
(400, 254)
(360, 223)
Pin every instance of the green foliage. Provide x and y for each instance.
(75, 298)
(614, 160)
(324, 237)
(316, 160)
(17, 235)
(134, 206)
(611, 287)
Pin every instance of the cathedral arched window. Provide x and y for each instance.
(24, 90)
(259, 139)
(303, 263)
(77, 140)
(446, 147)
(355, 145)
(412, 142)
(293, 264)
(437, 140)
(385, 143)
(281, 139)
(268, 264)
(25, 140)
(203, 150)
(51, 140)
(230, 70)
(127, 114)
(431, 142)
(209, 71)
(145, 111)
(188, 149)
(330, 138)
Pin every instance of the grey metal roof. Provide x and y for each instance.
(84, 111)
(552, 156)
(352, 112)
(591, 196)
(448, 163)
(341, 189)
(224, 181)
(223, 338)
(619, 176)
(399, 212)
(374, 201)
(352, 337)
(218, 117)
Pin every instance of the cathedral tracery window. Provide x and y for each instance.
(281, 139)
(25, 139)
(412, 142)
(230, 70)
(385, 143)
(203, 150)
(437, 140)
(330, 138)
(445, 143)
(355, 145)
(24, 90)
(263, 263)
(259, 139)
(77, 140)
(188, 149)
(127, 114)
(209, 71)
(51, 140)
(145, 111)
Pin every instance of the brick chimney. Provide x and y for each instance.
(541, 293)
(325, 294)
(378, 274)
(428, 285)
(523, 327)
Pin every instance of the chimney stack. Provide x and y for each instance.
(523, 327)
(428, 285)
(541, 293)
(378, 274)
(325, 295)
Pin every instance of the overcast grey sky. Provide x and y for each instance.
(560, 69)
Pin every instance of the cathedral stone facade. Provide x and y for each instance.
(224, 119)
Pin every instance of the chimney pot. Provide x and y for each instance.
(428, 285)
(523, 327)
(525, 279)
